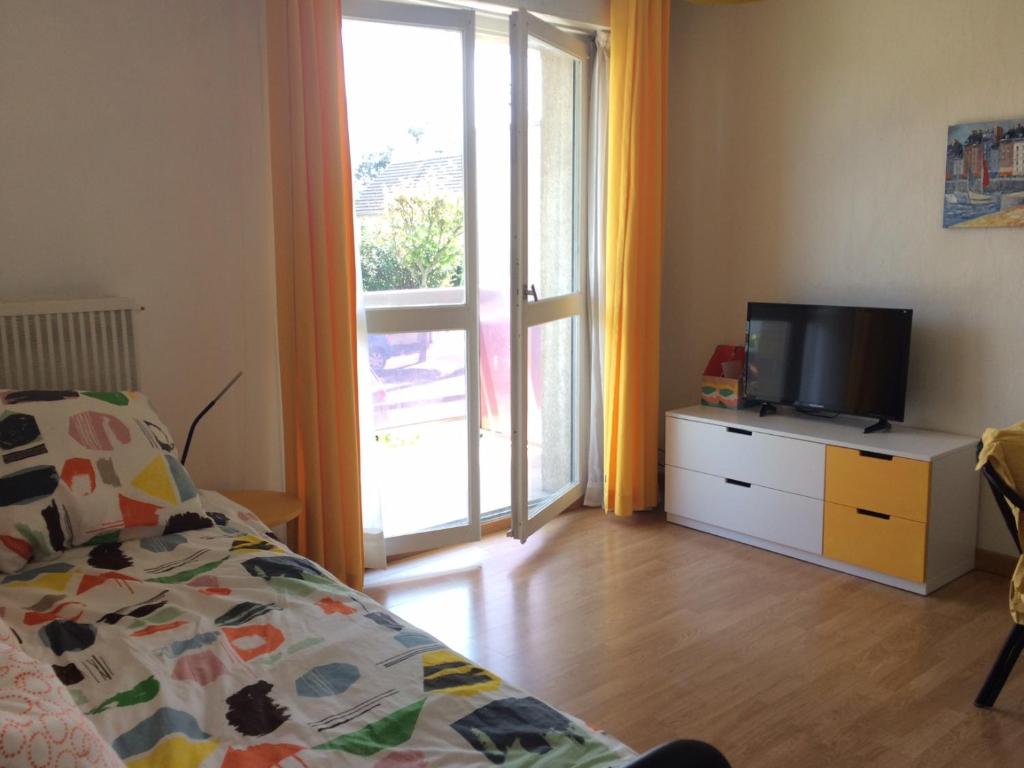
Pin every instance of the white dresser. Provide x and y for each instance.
(898, 507)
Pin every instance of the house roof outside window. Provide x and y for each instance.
(435, 176)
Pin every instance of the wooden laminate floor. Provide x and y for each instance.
(653, 632)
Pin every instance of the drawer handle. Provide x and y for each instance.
(736, 431)
(740, 483)
(873, 455)
(869, 513)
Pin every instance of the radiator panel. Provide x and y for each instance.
(88, 344)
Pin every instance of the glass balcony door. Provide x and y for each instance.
(548, 277)
(409, 84)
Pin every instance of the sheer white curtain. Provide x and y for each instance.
(374, 555)
(598, 171)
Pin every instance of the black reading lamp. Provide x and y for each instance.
(195, 421)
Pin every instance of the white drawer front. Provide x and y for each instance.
(784, 518)
(782, 463)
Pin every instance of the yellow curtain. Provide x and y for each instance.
(316, 278)
(637, 106)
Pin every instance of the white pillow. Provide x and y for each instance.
(87, 468)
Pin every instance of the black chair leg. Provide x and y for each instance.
(1001, 669)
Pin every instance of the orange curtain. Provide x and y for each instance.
(637, 106)
(316, 278)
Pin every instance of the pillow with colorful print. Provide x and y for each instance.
(87, 468)
(40, 725)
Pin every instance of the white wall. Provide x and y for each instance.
(806, 163)
(134, 162)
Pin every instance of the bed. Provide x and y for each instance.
(189, 636)
(221, 647)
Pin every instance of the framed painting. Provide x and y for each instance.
(985, 175)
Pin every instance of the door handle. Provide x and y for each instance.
(532, 291)
(736, 431)
(740, 483)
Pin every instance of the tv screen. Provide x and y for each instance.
(842, 359)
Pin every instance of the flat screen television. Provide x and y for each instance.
(850, 360)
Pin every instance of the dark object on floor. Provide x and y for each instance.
(1005, 496)
(684, 753)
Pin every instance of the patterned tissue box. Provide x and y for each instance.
(723, 377)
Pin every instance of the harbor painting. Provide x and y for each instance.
(985, 175)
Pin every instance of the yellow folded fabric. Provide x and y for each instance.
(1005, 449)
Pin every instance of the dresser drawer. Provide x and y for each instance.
(890, 545)
(783, 518)
(886, 484)
(782, 463)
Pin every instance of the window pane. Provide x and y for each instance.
(551, 174)
(492, 80)
(419, 421)
(551, 408)
(404, 94)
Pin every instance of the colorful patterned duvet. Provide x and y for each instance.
(221, 647)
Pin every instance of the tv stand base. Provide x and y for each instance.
(882, 425)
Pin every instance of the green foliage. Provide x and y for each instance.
(418, 244)
(372, 164)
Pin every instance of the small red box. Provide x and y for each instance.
(723, 376)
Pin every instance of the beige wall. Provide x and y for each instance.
(133, 162)
(806, 163)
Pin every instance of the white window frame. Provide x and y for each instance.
(524, 314)
(462, 316)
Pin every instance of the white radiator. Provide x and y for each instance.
(81, 344)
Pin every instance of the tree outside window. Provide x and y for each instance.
(416, 241)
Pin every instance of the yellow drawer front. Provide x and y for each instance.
(892, 485)
(894, 546)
